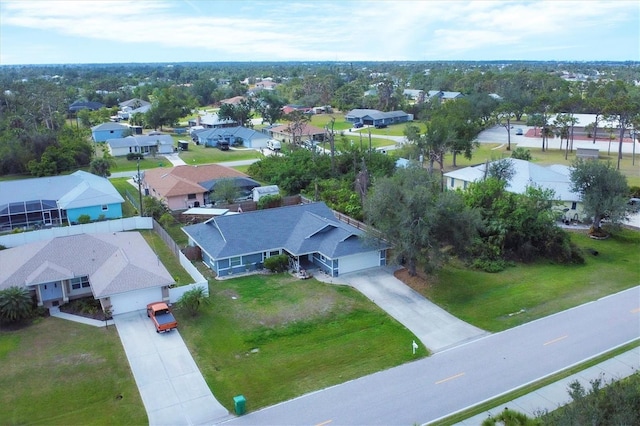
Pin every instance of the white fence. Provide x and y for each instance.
(199, 280)
(107, 226)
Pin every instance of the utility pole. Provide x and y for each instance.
(139, 189)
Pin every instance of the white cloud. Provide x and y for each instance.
(329, 30)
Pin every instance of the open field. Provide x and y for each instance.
(526, 292)
(63, 373)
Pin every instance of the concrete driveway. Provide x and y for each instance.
(435, 327)
(171, 386)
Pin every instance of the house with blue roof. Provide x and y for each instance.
(238, 135)
(57, 200)
(309, 234)
(373, 117)
(103, 132)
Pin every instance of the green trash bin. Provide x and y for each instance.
(240, 404)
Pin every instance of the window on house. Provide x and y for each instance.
(236, 261)
(80, 282)
(105, 207)
(274, 253)
(574, 205)
(191, 196)
(452, 182)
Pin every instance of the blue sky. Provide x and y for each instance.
(67, 32)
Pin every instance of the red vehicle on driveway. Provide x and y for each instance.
(161, 316)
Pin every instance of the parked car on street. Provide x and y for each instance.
(381, 126)
(519, 132)
(357, 125)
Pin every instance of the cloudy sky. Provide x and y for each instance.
(66, 32)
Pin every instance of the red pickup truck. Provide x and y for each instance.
(161, 316)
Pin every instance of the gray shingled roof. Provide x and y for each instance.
(115, 263)
(299, 229)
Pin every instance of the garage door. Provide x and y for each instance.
(357, 262)
(135, 300)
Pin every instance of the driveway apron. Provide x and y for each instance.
(171, 386)
(435, 327)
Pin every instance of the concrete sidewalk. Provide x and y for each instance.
(436, 328)
(556, 394)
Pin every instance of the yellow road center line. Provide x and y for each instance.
(449, 378)
(635, 311)
(324, 423)
(555, 340)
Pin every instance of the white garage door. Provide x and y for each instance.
(357, 262)
(135, 300)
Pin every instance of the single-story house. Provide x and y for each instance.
(143, 144)
(283, 132)
(554, 177)
(288, 109)
(90, 105)
(309, 234)
(413, 94)
(211, 121)
(373, 117)
(131, 107)
(249, 138)
(56, 200)
(233, 101)
(103, 132)
(119, 269)
(183, 187)
(443, 96)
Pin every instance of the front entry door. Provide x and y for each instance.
(51, 291)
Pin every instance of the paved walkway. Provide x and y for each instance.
(556, 394)
(171, 386)
(435, 327)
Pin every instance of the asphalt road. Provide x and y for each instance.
(452, 380)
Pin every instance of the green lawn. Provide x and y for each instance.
(63, 373)
(272, 338)
(487, 300)
(199, 154)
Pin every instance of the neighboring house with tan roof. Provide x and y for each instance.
(119, 269)
(183, 187)
(283, 133)
(233, 101)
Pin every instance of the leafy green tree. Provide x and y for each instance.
(604, 192)
(100, 167)
(193, 300)
(270, 106)
(240, 113)
(408, 210)
(503, 114)
(153, 207)
(226, 191)
(15, 304)
(348, 97)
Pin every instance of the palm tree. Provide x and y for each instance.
(15, 304)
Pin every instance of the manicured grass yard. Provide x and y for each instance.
(541, 289)
(274, 337)
(63, 373)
